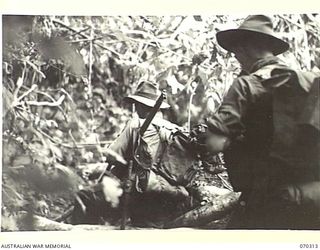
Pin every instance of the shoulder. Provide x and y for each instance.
(267, 71)
(243, 82)
(245, 87)
(163, 123)
(166, 129)
(298, 78)
(133, 123)
(241, 86)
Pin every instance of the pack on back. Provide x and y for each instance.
(295, 143)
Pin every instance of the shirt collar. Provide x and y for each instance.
(264, 62)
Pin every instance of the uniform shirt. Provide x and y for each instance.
(152, 142)
(251, 116)
(246, 117)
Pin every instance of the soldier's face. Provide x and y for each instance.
(142, 110)
(240, 53)
(247, 54)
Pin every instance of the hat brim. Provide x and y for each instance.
(230, 39)
(146, 101)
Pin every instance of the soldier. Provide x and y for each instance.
(254, 127)
(154, 194)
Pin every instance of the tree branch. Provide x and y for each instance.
(86, 37)
(50, 104)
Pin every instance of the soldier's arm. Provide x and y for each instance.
(123, 143)
(227, 123)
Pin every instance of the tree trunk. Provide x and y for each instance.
(202, 215)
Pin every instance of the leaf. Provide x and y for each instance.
(174, 84)
(51, 124)
(19, 82)
(213, 102)
(197, 18)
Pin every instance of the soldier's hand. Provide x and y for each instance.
(216, 143)
(213, 142)
(199, 133)
(112, 190)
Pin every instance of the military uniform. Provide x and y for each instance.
(153, 193)
(247, 117)
(148, 151)
(257, 164)
(155, 189)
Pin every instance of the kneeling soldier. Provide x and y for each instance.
(155, 188)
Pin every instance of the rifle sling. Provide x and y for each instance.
(151, 115)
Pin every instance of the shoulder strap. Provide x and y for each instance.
(265, 72)
(311, 111)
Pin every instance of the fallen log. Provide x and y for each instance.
(211, 211)
(27, 222)
(30, 222)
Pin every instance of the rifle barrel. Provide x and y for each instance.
(151, 114)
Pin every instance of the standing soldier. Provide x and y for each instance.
(256, 128)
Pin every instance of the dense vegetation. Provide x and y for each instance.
(64, 78)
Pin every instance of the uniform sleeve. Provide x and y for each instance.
(229, 118)
(123, 143)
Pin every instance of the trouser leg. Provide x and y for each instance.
(158, 184)
(159, 202)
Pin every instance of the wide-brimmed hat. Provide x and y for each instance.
(147, 93)
(254, 26)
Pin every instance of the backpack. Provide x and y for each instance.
(296, 138)
(175, 157)
(296, 121)
(178, 160)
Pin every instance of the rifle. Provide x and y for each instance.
(152, 113)
(126, 193)
(115, 157)
(128, 184)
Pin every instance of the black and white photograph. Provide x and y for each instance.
(144, 122)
